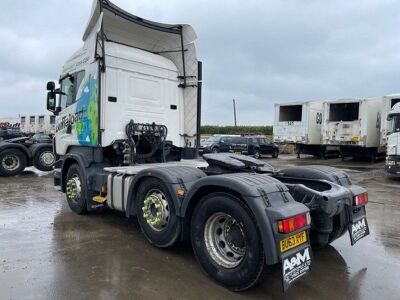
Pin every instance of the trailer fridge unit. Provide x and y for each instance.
(354, 124)
(392, 164)
(127, 133)
(38, 124)
(300, 123)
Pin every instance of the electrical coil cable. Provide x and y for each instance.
(144, 136)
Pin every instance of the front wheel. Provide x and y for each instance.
(275, 154)
(76, 189)
(226, 241)
(44, 159)
(12, 162)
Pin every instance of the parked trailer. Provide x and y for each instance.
(239, 213)
(38, 124)
(354, 124)
(392, 164)
(300, 123)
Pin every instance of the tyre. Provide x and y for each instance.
(76, 190)
(12, 162)
(257, 154)
(156, 213)
(275, 154)
(44, 159)
(226, 241)
(215, 150)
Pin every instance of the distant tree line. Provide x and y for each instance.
(214, 129)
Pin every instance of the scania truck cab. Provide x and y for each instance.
(127, 134)
(393, 141)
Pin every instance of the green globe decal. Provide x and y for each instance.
(87, 127)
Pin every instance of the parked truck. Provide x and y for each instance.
(300, 123)
(20, 152)
(389, 102)
(354, 125)
(392, 165)
(127, 133)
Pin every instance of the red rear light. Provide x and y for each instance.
(293, 223)
(361, 199)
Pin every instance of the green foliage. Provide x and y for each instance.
(213, 129)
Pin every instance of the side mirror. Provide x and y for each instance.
(51, 86)
(51, 101)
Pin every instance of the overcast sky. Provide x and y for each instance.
(258, 52)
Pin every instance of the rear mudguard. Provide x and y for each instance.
(268, 199)
(175, 178)
(328, 193)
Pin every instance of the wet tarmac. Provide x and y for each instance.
(48, 252)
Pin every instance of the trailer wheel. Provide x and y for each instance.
(12, 162)
(226, 241)
(156, 213)
(44, 159)
(76, 190)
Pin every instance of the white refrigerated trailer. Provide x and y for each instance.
(355, 125)
(300, 123)
(38, 124)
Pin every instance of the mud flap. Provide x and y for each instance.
(358, 230)
(358, 226)
(295, 264)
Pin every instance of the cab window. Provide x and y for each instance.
(70, 86)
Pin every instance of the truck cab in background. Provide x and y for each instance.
(392, 165)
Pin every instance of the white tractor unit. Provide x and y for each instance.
(355, 126)
(127, 136)
(392, 165)
(300, 123)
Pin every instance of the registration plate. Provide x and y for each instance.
(238, 152)
(293, 241)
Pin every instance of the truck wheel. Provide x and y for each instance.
(12, 162)
(156, 213)
(275, 154)
(44, 159)
(76, 189)
(226, 241)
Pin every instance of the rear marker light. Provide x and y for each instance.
(293, 223)
(361, 199)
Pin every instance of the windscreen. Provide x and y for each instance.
(393, 124)
(345, 112)
(290, 113)
(394, 101)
